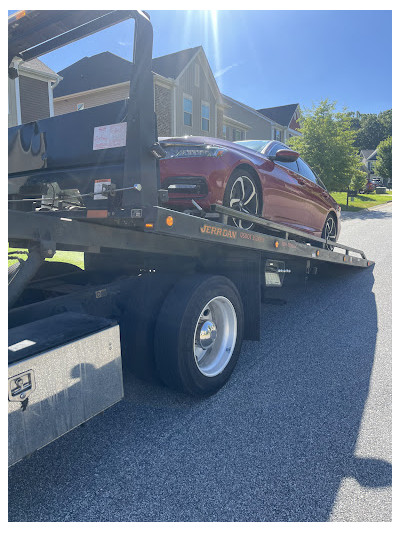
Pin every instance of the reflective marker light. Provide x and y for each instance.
(317, 253)
(169, 221)
(276, 244)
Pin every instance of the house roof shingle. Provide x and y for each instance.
(171, 65)
(104, 69)
(281, 114)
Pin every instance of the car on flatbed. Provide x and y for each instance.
(258, 177)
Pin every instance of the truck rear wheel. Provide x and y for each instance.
(199, 334)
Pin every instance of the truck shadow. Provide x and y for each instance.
(316, 385)
(273, 445)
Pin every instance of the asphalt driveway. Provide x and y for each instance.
(302, 431)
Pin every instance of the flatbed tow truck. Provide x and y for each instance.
(165, 294)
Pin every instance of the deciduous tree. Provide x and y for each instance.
(326, 144)
(383, 167)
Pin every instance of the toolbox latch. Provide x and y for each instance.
(21, 386)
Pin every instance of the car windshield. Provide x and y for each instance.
(258, 146)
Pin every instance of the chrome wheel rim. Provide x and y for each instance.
(244, 198)
(330, 230)
(215, 336)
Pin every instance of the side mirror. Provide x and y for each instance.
(285, 156)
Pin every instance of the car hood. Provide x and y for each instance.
(196, 140)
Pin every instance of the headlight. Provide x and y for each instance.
(179, 151)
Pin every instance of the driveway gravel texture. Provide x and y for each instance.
(301, 432)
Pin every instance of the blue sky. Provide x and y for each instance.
(270, 58)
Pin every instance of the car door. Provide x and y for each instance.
(285, 198)
(317, 198)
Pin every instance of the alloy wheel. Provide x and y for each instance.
(244, 198)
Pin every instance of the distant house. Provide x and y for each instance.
(187, 98)
(287, 116)
(368, 158)
(30, 95)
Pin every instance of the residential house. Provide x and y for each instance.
(368, 158)
(287, 117)
(187, 97)
(30, 94)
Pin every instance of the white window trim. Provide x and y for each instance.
(188, 97)
(203, 102)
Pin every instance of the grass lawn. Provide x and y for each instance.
(75, 258)
(361, 201)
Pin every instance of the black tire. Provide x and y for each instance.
(243, 186)
(138, 323)
(330, 230)
(180, 319)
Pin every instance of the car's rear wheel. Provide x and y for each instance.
(330, 231)
(242, 193)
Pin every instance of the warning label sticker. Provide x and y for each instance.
(110, 136)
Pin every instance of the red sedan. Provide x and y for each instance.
(259, 177)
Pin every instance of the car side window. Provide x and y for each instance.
(290, 166)
(306, 171)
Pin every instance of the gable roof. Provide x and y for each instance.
(281, 114)
(366, 154)
(106, 68)
(36, 66)
(171, 65)
(93, 72)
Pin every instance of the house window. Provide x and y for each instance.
(187, 111)
(205, 117)
(79, 107)
(224, 132)
(197, 75)
(238, 135)
(277, 135)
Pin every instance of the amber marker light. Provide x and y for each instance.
(169, 221)
(344, 258)
(20, 14)
(317, 253)
(276, 244)
(149, 225)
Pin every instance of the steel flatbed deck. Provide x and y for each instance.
(177, 233)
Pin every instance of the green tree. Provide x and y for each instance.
(386, 118)
(383, 167)
(372, 129)
(326, 144)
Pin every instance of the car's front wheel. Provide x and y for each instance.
(242, 193)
